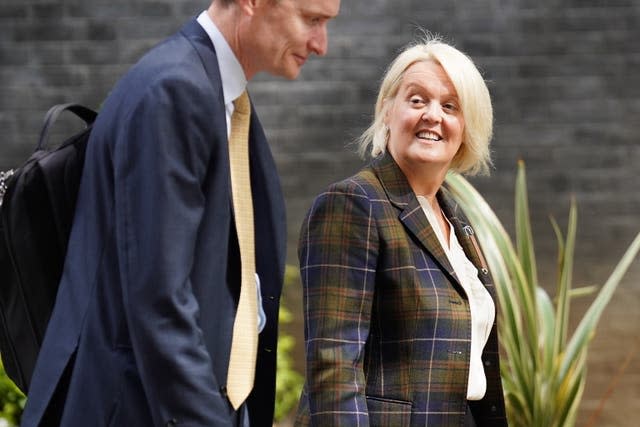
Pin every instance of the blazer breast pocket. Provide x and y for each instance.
(388, 412)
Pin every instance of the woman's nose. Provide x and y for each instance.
(432, 112)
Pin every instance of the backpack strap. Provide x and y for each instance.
(86, 114)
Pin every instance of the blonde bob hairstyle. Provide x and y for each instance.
(473, 157)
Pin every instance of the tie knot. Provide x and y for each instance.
(241, 103)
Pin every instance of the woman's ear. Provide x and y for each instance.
(386, 107)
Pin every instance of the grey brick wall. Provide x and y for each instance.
(564, 76)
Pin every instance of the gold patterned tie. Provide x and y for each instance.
(244, 347)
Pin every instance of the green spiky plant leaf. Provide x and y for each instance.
(544, 369)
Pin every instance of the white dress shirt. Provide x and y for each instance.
(234, 82)
(480, 302)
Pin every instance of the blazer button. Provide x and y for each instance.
(223, 391)
(172, 422)
(487, 363)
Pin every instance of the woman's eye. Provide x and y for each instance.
(416, 100)
(450, 106)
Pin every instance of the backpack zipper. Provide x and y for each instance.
(4, 178)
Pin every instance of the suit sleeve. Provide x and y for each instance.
(338, 254)
(161, 158)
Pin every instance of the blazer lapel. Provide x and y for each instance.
(401, 195)
(464, 232)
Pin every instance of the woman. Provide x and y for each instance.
(399, 306)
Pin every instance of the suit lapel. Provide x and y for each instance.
(201, 42)
(464, 232)
(268, 201)
(267, 193)
(466, 237)
(411, 214)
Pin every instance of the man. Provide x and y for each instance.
(142, 330)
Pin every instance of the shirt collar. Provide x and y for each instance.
(234, 81)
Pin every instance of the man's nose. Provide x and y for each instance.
(319, 41)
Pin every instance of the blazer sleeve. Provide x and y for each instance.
(161, 159)
(338, 254)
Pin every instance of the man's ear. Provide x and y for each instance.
(248, 6)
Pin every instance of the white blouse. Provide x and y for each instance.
(480, 302)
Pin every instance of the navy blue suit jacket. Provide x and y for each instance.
(141, 330)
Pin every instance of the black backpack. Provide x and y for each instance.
(37, 202)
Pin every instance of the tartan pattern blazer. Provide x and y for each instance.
(387, 323)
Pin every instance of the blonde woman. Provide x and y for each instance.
(399, 305)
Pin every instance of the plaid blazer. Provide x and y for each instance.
(387, 324)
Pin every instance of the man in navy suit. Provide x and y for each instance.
(141, 331)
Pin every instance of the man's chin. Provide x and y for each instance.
(291, 73)
(291, 70)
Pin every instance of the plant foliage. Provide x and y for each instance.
(544, 369)
(11, 401)
(289, 382)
